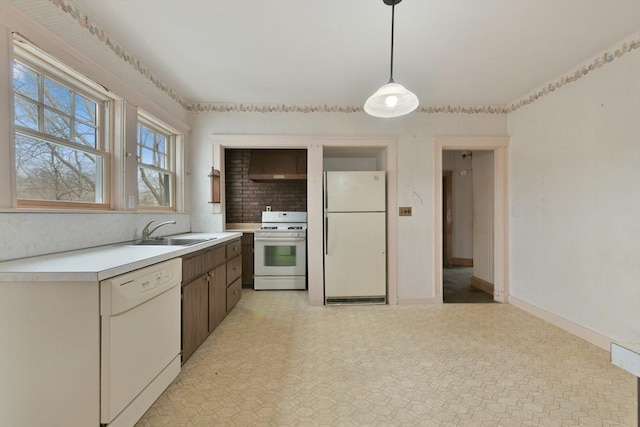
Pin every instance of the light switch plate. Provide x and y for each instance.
(405, 211)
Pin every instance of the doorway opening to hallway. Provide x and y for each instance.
(467, 232)
(470, 250)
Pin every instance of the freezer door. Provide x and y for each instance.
(355, 255)
(360, 191)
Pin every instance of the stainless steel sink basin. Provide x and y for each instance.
(171, 241)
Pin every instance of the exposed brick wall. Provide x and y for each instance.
(247, 199)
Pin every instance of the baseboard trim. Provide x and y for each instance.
(417, 300)
(569, 326)
(483, 285)
(462, 262)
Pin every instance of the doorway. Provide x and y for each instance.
(467, 226)
(496, 210)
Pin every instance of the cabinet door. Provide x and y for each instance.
(194, 316)
(217, 296)
(234, 292)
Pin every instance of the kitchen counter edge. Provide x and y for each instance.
(102, 262)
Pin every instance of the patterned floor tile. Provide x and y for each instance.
(276, 361)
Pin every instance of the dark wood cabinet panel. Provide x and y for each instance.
(247, 260)
(234, 269)
(234, 292)
(201, 262)
(206, 297)
(233, 249)
(217, 296)
(266, 164)
(195, 316)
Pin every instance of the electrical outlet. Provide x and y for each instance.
(405, 211)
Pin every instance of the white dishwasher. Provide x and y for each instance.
(140, 340)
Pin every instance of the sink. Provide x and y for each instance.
(172, 241)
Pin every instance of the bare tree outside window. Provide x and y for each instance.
(154, 167)
(57, 152)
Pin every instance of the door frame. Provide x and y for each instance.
(500, 146)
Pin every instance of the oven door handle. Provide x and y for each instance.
(278, 239)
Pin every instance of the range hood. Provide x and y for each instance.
(275, 164)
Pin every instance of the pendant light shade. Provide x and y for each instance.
(392, 99)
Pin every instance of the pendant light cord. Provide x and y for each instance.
(393, 10)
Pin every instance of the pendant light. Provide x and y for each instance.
(392, 99)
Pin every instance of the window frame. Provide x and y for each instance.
(50, 68)
(171, 136)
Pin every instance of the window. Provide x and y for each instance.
(61, 149)
(156, 164)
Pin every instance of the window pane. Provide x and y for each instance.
(57, 96)
(56, 124)
(26, 113)
(153, 188)
(46, 171)
(86, 135)
(145, 137)
(85, 109)
(152, 148)
(160, 148)
(25, 81)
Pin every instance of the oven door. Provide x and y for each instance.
(279, 256)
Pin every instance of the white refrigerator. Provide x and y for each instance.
(355, 244)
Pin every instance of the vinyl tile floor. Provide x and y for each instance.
(277, 361)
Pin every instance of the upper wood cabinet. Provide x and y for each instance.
(269, 165)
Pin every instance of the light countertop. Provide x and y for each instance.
(102, 262)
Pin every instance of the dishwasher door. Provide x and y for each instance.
(140, 324)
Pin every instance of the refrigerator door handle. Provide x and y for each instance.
(326, 234)
(326, 190)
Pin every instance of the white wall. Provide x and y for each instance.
(415, 170)
(575, 201)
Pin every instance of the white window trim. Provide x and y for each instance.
(44, 64)
(175, 141)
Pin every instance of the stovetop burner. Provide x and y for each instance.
(296, 227)
(269, 227)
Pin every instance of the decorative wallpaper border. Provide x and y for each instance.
(120, 51)
(83, 20)
(599, 62)
(254, 108)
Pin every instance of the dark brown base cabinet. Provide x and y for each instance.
(211, 284)
(247, 260)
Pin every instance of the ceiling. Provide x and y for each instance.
(336, 52)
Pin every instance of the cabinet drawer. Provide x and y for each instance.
(234, 269)
(197, 264)
(233, 249)
(192, 267)
(233, 294)
(215, 257)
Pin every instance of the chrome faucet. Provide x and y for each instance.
(146, 233)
